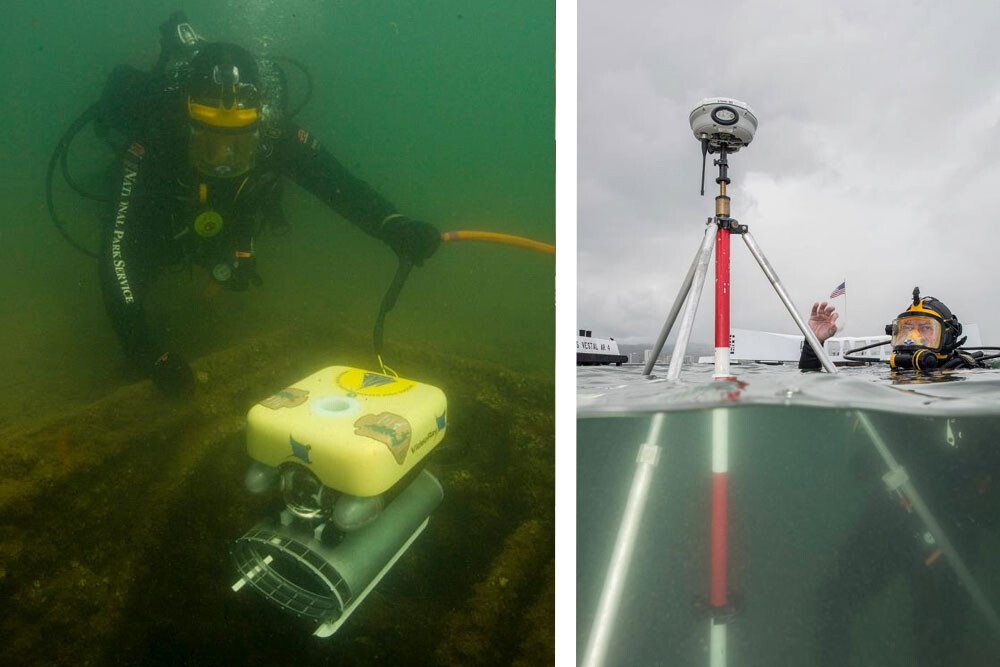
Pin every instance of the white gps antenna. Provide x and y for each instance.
(722, 125)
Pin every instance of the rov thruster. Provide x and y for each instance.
(343, 448)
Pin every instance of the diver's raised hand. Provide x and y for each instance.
(823, 320)
(413, 240)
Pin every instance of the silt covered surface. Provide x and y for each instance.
(116, 520)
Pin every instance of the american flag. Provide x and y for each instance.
(841, 289)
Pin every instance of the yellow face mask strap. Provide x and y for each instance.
(219, 116)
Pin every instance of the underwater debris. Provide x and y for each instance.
(539, 646)
(480, 633)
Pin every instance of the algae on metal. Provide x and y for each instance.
(115, 521)
(481, 632)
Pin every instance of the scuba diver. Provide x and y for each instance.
(925, 336)
(207, 137)
(957, 472)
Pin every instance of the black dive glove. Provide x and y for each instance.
(173, 376)
(410, 239)
(244, 274)
(237, 273)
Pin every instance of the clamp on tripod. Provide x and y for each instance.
(722, 218)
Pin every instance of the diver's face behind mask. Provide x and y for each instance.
(925, 335)
(223, 152)
(910, 332)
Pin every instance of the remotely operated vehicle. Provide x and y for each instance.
(343, 448)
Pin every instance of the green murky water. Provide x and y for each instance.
(117, 509)
(814, 537)
(447, 108)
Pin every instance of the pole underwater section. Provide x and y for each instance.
(720, 610)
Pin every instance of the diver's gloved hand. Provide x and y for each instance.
(414, 240)
(168, 27)
(244, 274)
(173, 376)
(176, 35)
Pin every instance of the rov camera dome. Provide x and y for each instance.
(722, 120)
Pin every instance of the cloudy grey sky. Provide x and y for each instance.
(875, 162)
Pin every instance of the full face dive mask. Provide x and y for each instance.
(925, 335)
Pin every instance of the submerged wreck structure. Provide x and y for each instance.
(117, 520)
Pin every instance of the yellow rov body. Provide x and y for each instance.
(358, 431)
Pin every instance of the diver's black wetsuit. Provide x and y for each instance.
(160, 195)
(808, 361)
(959, 479)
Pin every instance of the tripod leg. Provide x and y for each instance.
(787, 300)
(678, 302)
(607, 607)
(693, 297)
(897, 480)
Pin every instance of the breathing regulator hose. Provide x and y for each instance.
(59, 158)
(405, 265)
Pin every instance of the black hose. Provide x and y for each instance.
(389, 300)
(60, 155)
(64, 162)
(309, 84)
(866, 359)
(866, 347)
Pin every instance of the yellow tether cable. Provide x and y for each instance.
(495, 237)
(404, 269)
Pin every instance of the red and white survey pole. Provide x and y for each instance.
(718, 602)
(719, 605)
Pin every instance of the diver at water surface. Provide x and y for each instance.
(207, 140)
(925, 336)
